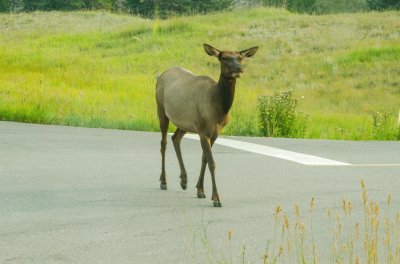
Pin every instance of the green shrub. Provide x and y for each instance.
(278, 116)
(165, 8)
(340, 6)
(318, 6)
(5, 6)
(383, 4)
(275, 3)
(301, 6)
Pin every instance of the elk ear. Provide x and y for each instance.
(211, 50)
(249, 52)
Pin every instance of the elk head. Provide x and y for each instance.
(230, 60)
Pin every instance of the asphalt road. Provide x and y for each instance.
(77, 195)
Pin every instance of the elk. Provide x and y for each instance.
(200, 105)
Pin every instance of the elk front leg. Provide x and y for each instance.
(200, 182)
(206, 145)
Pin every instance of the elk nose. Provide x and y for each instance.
(238, 68)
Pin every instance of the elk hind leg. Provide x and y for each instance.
(164, 122)
(176, 139)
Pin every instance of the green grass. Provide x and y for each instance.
(98, 69)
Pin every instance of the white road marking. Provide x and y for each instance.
(376, 165)
(275, 152)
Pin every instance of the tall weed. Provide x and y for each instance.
(370, 236)
(278, 115)
(382, 126)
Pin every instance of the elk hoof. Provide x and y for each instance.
(163, 186)
(201, 195)
(217, 203)
(183, 181)
(183, 185)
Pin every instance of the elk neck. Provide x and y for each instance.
(226, 92)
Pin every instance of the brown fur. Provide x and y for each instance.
(199, 105)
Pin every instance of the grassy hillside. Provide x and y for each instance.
(98, 69)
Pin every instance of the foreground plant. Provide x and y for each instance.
(279, 117)
(383, 128)
(373, 239)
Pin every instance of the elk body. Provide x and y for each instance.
(198, 104)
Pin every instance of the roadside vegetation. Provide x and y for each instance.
(163, 8)
(97, 69)
(370, 235)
